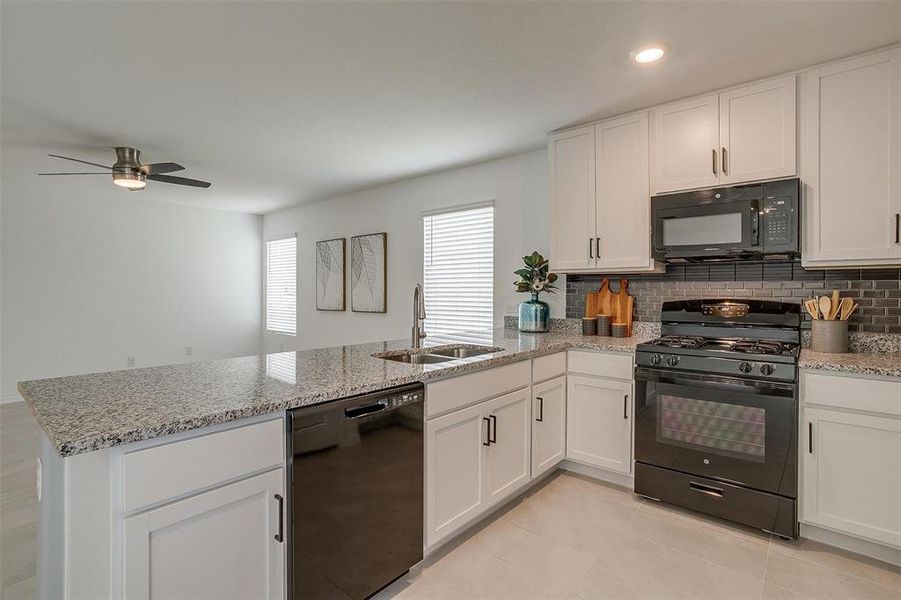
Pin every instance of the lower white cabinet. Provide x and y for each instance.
(548, 424)
(852, 473)
(217, 544)
(475, 458)
(599, 422)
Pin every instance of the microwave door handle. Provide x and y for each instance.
(755, 222)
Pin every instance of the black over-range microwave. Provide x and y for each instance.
(750, 222)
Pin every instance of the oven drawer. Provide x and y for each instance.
(742, 505)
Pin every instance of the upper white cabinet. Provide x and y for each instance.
(852, 153)
(228, 542)
(571, 166)
(686, 145)
(743, 134)
(757, 131)
(600, 197)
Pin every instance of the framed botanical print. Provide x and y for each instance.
(330, 271)
(368, 272)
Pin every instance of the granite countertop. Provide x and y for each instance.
(89, 412)
(863, 363)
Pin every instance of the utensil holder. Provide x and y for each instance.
(619, 330)
(589, 326)
(829, 336)
(604, 325)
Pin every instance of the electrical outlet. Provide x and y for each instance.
(188, 351)
(38, 483)
(130, 361)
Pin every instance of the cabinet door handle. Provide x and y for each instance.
(590, 249)
(810, 437)
(540, 409)
(487, 433)
(626, 406)
(898, 228)
(714, 160)
(493, 438)
(279, 537)
(597, 247)
(725, 172)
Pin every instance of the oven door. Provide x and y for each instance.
(734, 430)
(707, 230)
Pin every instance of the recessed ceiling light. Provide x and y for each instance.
(648, 54)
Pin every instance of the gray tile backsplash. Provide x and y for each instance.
(878, 291)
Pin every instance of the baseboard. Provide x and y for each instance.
(11, 400)
(852, 544)
(619, 479)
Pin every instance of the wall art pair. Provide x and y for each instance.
(368, 273)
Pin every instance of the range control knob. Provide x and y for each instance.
(656, 359)
(672, 361)
(745, 367)
(766, 369)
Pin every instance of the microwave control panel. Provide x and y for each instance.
(780, 224)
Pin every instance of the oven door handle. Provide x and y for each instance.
(707, 381)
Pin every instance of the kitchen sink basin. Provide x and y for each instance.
(416, 359)
(463, 352)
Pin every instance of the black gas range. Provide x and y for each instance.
(717, 411)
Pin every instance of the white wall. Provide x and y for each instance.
(517, 184)
(89, 280)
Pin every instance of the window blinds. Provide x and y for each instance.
(458, 271)
(281, 285)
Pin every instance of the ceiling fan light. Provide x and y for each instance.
(130, 181)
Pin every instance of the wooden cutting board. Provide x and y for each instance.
(624, 304)
(605, 300)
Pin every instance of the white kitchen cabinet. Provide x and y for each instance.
(548, 424)
(758, 131)
(686, 144)
(217, 544)
(742, 134)
(571, 170)
(455, 470)
(509, 467)
(852, 149)
(599, 422)
(852, 473)
(622, 190)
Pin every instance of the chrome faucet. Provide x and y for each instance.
(418, 315)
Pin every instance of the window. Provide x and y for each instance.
(281, 285)
(458, 271)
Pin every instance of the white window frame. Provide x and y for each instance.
(482, 334)
(266, 283)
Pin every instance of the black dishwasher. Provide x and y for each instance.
(356, 493)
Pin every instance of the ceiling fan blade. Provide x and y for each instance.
(94, 173)
(81, 161)
(166, 167)
(179, 180)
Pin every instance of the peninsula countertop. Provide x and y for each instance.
(83, 413)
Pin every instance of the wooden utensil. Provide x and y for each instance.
(591, 305)
(846, 308)
(825, 306)
(836, 305)
(605, 298)
(811, 305)
(851, 312)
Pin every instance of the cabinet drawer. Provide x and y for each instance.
(451, 394)
(156, 474)
(548, 367)
(600, 365)
(874, 395)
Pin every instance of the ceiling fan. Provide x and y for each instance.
(129, 173)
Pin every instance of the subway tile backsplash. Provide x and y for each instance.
(878, 291)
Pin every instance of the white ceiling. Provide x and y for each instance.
(290, 102)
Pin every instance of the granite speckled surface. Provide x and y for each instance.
(863, 363)
(89, 412)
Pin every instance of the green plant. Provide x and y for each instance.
(534, 277)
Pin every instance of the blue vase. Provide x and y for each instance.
(534, 315)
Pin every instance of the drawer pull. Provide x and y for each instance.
(706, 489)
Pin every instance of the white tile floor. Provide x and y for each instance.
(570, 538)
(579, 539)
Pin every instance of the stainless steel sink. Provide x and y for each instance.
(416, 359)
(463, 352)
